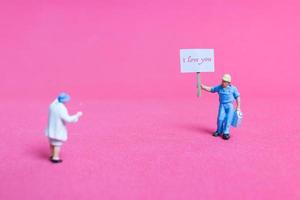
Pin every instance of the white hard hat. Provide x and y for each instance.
(227, 78)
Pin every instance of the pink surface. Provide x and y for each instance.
(144, 134)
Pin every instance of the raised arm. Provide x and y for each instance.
(69, 118)
(206, 88)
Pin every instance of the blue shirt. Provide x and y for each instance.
(226, 95)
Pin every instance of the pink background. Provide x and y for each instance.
(144, 134)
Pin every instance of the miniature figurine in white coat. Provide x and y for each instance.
(56, 130)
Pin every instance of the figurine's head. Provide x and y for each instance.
(226, 80)
(63, 97)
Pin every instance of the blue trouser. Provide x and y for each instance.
(225, 115)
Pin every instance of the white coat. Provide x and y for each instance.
(57, 119)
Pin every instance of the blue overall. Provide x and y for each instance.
(226, 109)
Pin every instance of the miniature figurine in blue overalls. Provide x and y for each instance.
(227, 95)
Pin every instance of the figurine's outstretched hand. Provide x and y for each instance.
(206, 88)
(79, 114)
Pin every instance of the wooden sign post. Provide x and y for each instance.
(198, 85)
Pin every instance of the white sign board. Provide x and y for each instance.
(197, 60)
